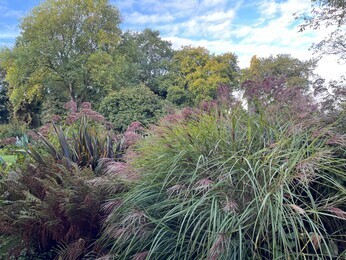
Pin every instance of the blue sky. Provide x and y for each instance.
(248, 27)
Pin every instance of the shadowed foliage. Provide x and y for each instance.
(53, 205)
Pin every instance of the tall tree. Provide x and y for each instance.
(195, 75)
(296, 73)
(151, 55)
(65, 45)
(280, 79)
(331, 14)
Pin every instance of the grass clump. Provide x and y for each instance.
(233, 185)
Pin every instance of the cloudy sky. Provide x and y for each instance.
(247, 28)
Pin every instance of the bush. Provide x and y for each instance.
(131, 104)
(234, 186)
(13, 129)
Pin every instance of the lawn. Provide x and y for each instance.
(9, 158)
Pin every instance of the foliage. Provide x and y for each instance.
(153, 56)
(275, 92)
(328, 13)
(4, 101)
(83, 148)
(53, 205)
(2, 162)
(296, 73)
(4, 109)
(333, 97)
(195, 75)
(131, 104)
(13, 129)
(8, 159)
(56, 38)
(53, 104)
(234, 186)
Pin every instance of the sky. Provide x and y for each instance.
(244, 27)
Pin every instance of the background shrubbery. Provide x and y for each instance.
(131, 104)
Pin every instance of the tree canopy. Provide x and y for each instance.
(328, 13)
(65, 45)
(150, 55)
(296, 73)
(195, 75)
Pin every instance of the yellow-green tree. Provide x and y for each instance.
(195, 75)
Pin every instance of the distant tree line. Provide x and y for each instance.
(75, 50)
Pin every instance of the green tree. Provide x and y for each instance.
(195, 75)
(150, 55)
(131, 104)
(331, 14)
(328, 13)
(297, 73)
(64, 45)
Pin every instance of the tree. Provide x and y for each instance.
(328, 13)
(151, 54)
(65, 45)
(332, 14)
(195, 75)
(296, 73)
(281, 81)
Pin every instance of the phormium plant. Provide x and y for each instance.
(54, 204)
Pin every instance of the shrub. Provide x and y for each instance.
(234, 186)
(13, 129)
(131, 104)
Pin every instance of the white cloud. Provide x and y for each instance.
(268, 8)
(7, 12)
(124, 4)
(329, 67)
(178, 8)
(212, 3)
(140, 19)
(217, 16)
(8, 35)
(211, 25)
